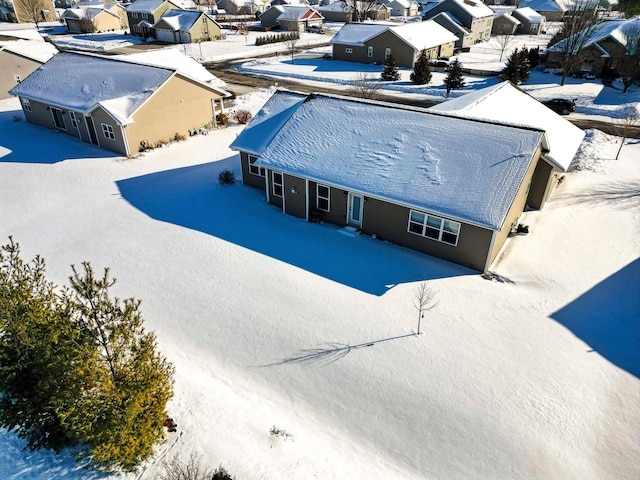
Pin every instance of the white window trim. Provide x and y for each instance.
(64, 125)
(74, 119)
(108, 131)
(441, 231)
(370, 52)
(275, 184)
(17, 79)
(26, 103)
(327, 198)
(255, 169)
(387, 53)
(348, 50)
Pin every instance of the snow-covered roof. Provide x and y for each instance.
(402, 3)
(475, 8)
(452, 22)
(268, 121)
(81, 82)
(334, 7)
(620, 31)
(463, 169)
(33, 49)
(292, 12)
(506, 16)
(424, 35)
(419, 35)
(544, 5)
(179, 19)
(506, 103)
(530, 14)
(152, 5)
(173, 58)
(88, 11)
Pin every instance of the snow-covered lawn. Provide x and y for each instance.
(272, 321)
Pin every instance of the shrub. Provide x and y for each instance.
(192, 469)
(242, 116)
(160, 143)
(226, 177)
(221, 474)
(179, 137)
(222, 118)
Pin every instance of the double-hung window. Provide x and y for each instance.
(255, 169)
(348, 50)
(387, 53)
(26, 104)
(322, 197)
(108, 132)
(17, 78)
(435, 228)
(74, 120)
(277, 184)
(370, 52)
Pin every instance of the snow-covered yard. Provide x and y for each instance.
(272, 321)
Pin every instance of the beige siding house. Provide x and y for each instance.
(101, 17)
(390, 173)
(143, 14)
(18, 59)
(16, 11)
(187, 26)
(115, 104)
(374, 42)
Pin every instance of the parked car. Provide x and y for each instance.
(561, 105)
(315, 29)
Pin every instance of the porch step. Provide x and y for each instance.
(350, 230)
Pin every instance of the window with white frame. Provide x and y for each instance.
(369, 52)
(435, 228)
(255, 169)
(108, 132)
(26, 104)
(74, 120)
(322, 197)
(348, 50)
(387, 53)
(17, 78)
(277, 186)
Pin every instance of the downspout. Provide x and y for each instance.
(266, 185)
(213, 108)
(306, 199)
(126, 141)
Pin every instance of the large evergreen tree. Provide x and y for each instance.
(390, 72)
(77, 368)
(454, 79)
(517, 68)
(421, 74)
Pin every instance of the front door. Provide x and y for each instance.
(91, 130)
(354, 215)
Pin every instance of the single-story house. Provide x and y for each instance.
(115, 104)
(608, 44)
(293, 18)
(101, 17)
(448, 186)
(187, 26)
(504, 23)
(403, 8)
(551, 10)
(374, 42)
(531, 22)
(20, 58)
(562, 138)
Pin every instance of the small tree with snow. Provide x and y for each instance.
(390, 73)
(454, 79)
(421, 74)
(517, 69)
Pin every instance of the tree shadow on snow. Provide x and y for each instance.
(329, 353)
(22, 142)
(191, 197)
(621, 195)
(607, 317)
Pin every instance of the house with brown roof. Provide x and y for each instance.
(394, 172)
(123, 106)
(186, 26)
(374, 42)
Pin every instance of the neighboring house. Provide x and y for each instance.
(561, 142)
(403, 8)
(242, 7)
(341, 12)
(374, 42)
(504, 24)
(186, 26)
(102, 17)
(115, 104)
(607, 45)
(143, 14)
(531, 22)
(17, 11)
(293, 18)
(472, 18)
(551, 10)
(447, 186)
(18, 59)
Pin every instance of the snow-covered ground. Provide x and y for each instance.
(272, 321)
